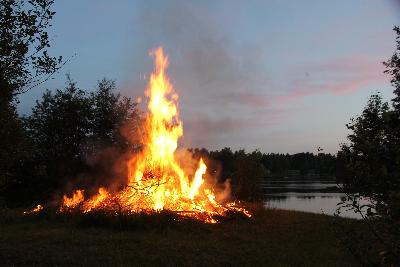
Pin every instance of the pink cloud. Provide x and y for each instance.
(201, 124)
(213, 131)
(339, 76)
(246, 98)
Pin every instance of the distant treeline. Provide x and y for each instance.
(246, 170)
(276, 164)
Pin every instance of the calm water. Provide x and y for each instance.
(325, 203)
(304, 195)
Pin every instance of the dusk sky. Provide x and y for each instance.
(279, 76)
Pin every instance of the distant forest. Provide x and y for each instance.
(245, 170)
(277, 164)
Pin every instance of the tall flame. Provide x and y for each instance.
(156, 180)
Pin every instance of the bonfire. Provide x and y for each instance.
(156, 181)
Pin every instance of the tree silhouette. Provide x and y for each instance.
(24, 64)
(68, 132)
(370, 165)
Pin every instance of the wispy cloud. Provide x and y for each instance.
(337, 76)
(255, 100)
(201, 128)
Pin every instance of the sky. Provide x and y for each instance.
(274, 75)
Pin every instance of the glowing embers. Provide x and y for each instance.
(36, 209)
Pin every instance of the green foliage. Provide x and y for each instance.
(13, 145)
(67, 132)
(115, 119)
(393, 69)
(24, 59)
(279, 164)
(370, 169)
(24, 63)
(248, 166)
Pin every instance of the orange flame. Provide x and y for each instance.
(156, 180)
(72, 202)
(96, 200)
(36, 209)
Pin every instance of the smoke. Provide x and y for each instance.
(206, 57)
(209, 62)
(224, 192)
(189, 162)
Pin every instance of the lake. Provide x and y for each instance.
(309, 195)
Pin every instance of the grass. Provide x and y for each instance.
(272, 238)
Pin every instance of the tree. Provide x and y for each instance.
(249, 171)
(24, 64)
(244, 170)
(24, 43)
(111, 116)
(115, 126)
(73, 135)
(58, 125)
(370, 169)
(393, 69)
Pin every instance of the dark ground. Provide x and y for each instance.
(272, 238)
